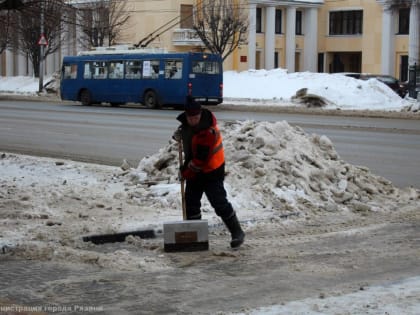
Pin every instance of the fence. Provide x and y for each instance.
(414, 81)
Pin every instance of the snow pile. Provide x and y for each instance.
(275, 171)
(47, 205)
(339, 91)
(19, 85)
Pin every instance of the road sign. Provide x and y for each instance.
(42, 41)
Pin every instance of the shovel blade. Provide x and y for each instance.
(186, 236)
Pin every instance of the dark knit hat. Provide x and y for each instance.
(192, 107)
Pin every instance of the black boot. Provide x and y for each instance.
(235, 229)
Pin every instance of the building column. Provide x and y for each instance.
(22, 65)
(387, 62)
(413, 37)
(290, 38)
(252, 36)
(310, 56)
(270, 39)
(9, 63)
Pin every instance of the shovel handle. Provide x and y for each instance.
(184, 210)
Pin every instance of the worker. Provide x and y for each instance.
(204, 167)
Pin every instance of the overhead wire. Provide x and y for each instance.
(149, 37)
(144, 41)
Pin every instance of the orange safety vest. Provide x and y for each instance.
(216, 157)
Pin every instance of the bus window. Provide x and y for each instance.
(151, 69)
(133, 69)
(197, 66)
(173, 69)
(100, 70)
(116, 69)
(87, 74)
(70, 72)
(207, 67)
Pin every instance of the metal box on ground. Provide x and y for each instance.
(187, 235)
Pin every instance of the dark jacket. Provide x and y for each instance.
(207, 121)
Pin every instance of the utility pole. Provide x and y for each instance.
(41, 54)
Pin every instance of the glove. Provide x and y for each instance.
(177, 135)
(187, 173)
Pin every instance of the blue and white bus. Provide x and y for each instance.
(154, 79)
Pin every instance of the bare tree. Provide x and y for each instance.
(5, 23)
(104, 21)
(222, 25)
(8, 15)
(28, 29)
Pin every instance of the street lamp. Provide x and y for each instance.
(42, 42)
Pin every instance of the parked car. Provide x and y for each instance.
(398, 87)
(355, 75)
(401, 88)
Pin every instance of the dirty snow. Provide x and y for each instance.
(275, 171)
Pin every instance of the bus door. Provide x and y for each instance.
(68, 85)
(175, 86)
(95, 79)
(133, 77)
(151, 85)
(117, 89)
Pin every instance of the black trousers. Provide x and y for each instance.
(215, 192)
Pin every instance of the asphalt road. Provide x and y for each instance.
(389, 147)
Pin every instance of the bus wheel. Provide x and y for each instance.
(151, 100)
(85, 98)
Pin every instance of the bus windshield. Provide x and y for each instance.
(206, 67)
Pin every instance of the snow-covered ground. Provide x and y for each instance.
(274, 170)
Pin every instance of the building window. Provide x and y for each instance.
(299, 23)
(278, 22)
(258, 22)
(404, 21)
(321, 62)
(404, 68)
(346, 22)
(186, 16)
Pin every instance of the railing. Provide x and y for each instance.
(186, 37)
(414, 81)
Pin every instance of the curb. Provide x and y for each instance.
(270, 108)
